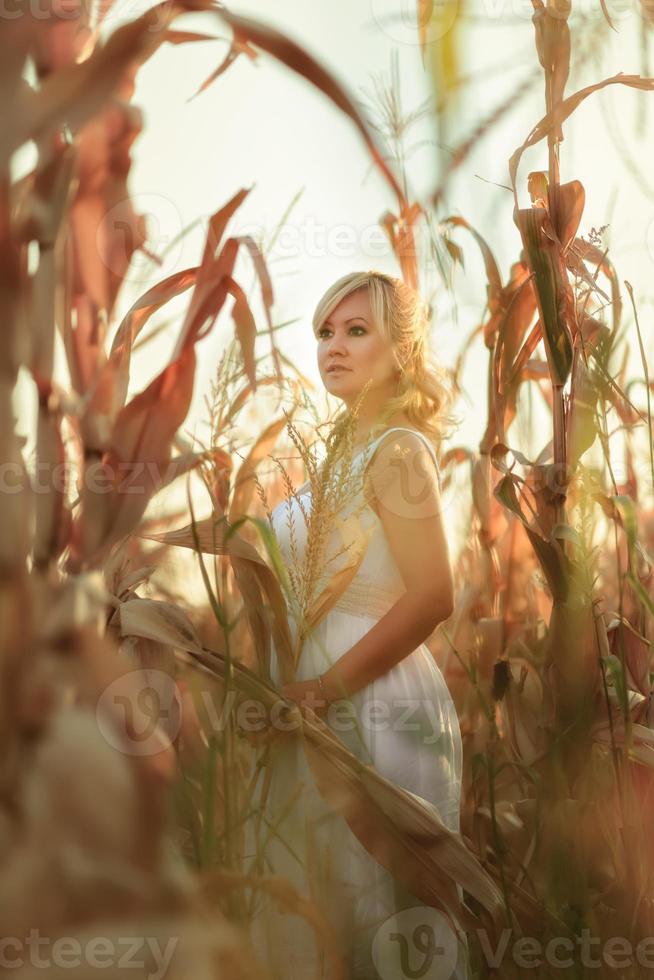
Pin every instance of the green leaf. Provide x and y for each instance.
(564, 531)
(625, 506)
(615, 669)
(550, 286)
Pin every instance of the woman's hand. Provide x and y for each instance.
(307, 694)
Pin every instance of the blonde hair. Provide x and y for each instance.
(402, 318)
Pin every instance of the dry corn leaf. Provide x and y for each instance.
(493, 277)
(52, 514)
(526, 351)
(218, 538)
(128, 581)
(517, 305)
(114, 376)
(571, 198)
(267, 295)
(183, 37)
(160, 621)
(244, 482)
(236, 48)
(249, 587)
(217, 227)
(401, 236)
(74, 94)
(211, 270)
(552, 559)
(118, 486)
(246, 329)
(105, 230)
(208, 297)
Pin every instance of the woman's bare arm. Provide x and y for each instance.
(404, 492)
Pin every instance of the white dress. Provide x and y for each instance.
(412, 738)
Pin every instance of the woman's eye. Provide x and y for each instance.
(324, 331)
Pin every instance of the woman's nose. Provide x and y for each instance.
(336, 345)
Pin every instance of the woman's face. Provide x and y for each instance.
(350, 339)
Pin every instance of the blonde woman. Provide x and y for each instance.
(365, 668)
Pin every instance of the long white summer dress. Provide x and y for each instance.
(404, 724)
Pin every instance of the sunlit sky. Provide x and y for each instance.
(261, 126)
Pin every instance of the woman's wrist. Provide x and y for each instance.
(331, 687)
(322, 688)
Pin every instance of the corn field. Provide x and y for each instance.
(126, 779)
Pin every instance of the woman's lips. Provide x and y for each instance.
(337, 370)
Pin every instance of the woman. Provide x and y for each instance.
(368, 652)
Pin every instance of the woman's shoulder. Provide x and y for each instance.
(402, 470)
(399, 437)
